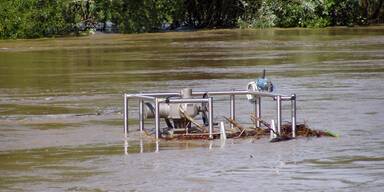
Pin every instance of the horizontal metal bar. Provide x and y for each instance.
(140, 96)
(157, 94)
(286, 98)
(236, 92)
(205, 100)
(212, 93)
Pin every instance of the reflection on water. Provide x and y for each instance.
(148, 146)
(61, 103)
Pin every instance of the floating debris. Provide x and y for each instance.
(239, 131)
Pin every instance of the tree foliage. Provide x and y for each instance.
(214, 13)
(44, 18)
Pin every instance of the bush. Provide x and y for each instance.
(135, 16)
(262, 18)
(44, 18)
(34, 18)
(343, 12)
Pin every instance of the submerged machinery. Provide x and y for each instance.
(191, 112)
(176, 115)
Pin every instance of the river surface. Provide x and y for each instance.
(61, 104)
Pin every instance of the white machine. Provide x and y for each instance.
(176, 115)
(261, 85)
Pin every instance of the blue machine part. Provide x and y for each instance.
(263, 84)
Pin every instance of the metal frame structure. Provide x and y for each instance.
(158, 98)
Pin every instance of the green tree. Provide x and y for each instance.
(343, 12)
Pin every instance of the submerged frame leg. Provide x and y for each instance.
(125, 115)
(258, 111)
(293, 114)
(141, 115)
(278, 102)
(210, 106)
(157, 118)
(232, 109)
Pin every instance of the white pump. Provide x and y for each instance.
(261, 85)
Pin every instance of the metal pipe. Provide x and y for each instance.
(258, 111)
(141, 115)
(157, 118)
(125, 116)
(238, 92)
(200, 93)
(223, 135)
(293, 114)
(141, 144)
(232, 109)
(278, 101)
(255, 111)
(286, 98)
(184, 100)
(157, 94)
(273, 129)
(126, 147)
(210, 106)
(157, 146)
(140, 96)
(283, 98)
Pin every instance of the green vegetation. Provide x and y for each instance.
(45, 18)
(312, 13)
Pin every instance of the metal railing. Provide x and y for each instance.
(158, 98)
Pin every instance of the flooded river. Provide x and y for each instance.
(61, 125)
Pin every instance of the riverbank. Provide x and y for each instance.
(102, 35)
(37, 18)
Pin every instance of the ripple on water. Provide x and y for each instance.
(61, 110)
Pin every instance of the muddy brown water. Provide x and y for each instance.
(61, 111)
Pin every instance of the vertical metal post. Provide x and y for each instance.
(258, 111)
(293, 114)
(157, 118)
(125, 115)
(232, 111)
(126, 147)
(141, 144)
(273, 127)
(278, 101)
(141, 115)
(210, 116)
(255, 110)
(157, 146)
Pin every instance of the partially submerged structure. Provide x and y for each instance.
(182, 111)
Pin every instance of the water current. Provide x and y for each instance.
(61, 105)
